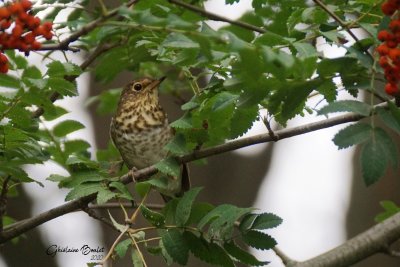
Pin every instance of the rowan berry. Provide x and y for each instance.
(388, 8)
(16, 8)
(4, 68)
(384, 62)
(394, 26)
(384, 35)
(26, 5)
(36, 45)
(391, 89)
(5, 24)
(4, 13)
(383, 49)
(3, 58)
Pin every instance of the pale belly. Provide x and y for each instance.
(145, 148)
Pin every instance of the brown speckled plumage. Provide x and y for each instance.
(140, 127)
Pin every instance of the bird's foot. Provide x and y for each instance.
(131, 173)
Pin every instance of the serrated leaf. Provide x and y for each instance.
(266, 221)
(136, 258)
(175, 245)
(177, 145)
(155, 218)
(373, 161)
(185, 122)
(352, 135)
(73, 146)
(242, 255)
(84, 189)
(208, 252)
(62, 86)
(387, 117)
(258, 240)
(124, 192)
(184, 206)
(9, 81)
(104, 195)
(122, 247)
(118, 226)
(169, 166)
(247, 222)
(178, 40)
(346, 106)
(66, 127)
(59, 69)
(242, 120)
(222, 220)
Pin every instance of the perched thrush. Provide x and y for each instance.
(140, 128)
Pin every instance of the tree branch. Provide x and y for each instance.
(216, 17)
(140, 175)
(374, 240)
(3, 200)
(64, 44)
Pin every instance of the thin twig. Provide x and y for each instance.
(64, 44)
(18, 228)
(96, 216)
(286, 260)
(269, 128)
(216, 17)
(115, 205)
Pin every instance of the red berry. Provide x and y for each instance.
(4, 13)
(394, 25)
(27, 5)
(36, 45)
(391, 89)
(3, 58)
(391, 43)
(4, 68)
(16, 8)
(388, 8)
(5, 24)
(29, 38)
(384, 35)
(384, 62)
(17, 31)
(48, 35)
(383, 49)
(39, 31)
(48, 26)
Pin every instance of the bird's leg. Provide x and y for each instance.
(131, 173)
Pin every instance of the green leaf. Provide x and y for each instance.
(352, 135)
(136, 258)
(184, 206)
(388, 118)
(59, 69)
(376, 154)
(123, 189)
(208, 252)
(305, 50)
(118, 226)
(177, 145)
(73, 146)
(169, 166)
(247, 222)
(62, 86)
(266, 221)
(155, 218)
(258, 240)
(222, 220)
(242, 255)
(185, 122)
(9, 81)
(84, 189)
(122, 247)
(66, 127)
(104, 195)
(242, 120)
(390, 209)
(346, 106)
(175, 245)
(177, 40)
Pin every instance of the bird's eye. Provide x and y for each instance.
(137, 86)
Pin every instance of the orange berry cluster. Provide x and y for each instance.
(19, 30)
(389, 51)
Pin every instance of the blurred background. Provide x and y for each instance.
(316, 189)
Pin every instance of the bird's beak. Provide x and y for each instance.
(156, 83)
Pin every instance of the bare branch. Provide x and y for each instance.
(143, 174)
(374, 240)
(216, 17)
(96, 216)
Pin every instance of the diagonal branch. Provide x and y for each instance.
(143, 174)
(216, 17)
(374, 240)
